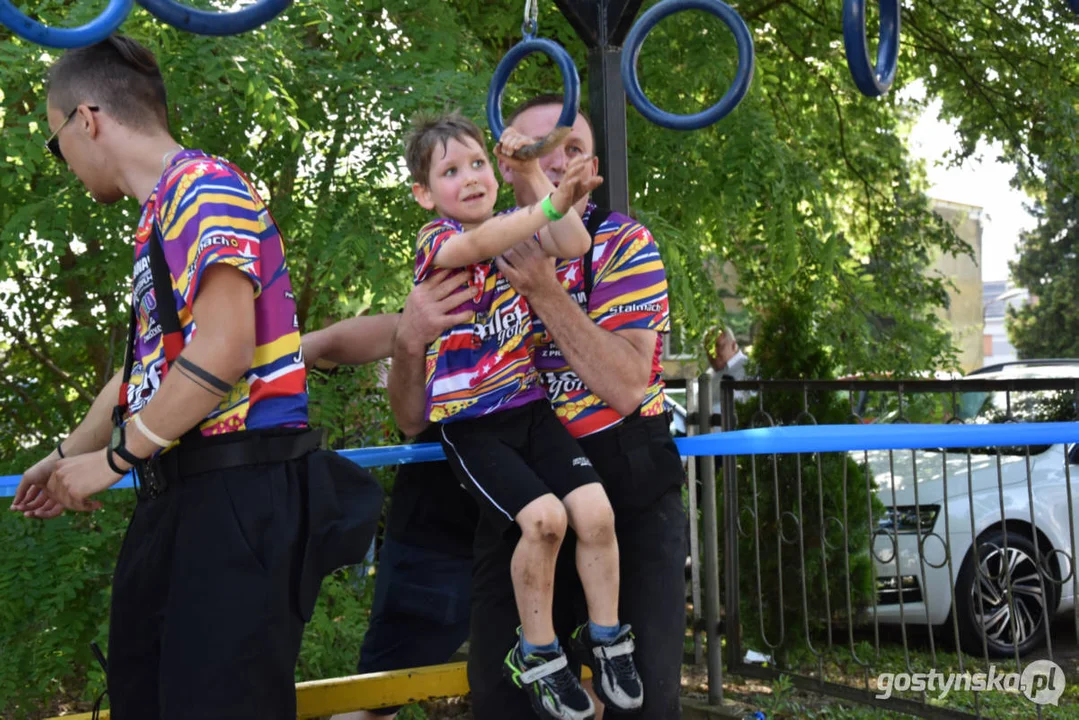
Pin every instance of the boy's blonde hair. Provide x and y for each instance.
(431, 131)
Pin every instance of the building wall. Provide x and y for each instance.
(964, 312)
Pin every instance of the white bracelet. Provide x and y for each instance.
(151, 436)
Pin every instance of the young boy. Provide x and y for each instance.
(499, 432)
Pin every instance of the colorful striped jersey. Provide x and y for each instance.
(209, 214)
(629, 292)
(484, 365)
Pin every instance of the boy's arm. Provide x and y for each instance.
(565, 238)
(355, 341)
(495, 235)
(498, 234)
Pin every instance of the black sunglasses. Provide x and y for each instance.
(53, 143)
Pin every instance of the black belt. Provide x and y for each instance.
(222, 452)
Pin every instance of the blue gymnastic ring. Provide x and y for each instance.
(571, 92)
(91, 33)
(872, 81)
(742, 80)
(203, 22)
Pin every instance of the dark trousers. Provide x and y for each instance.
(643, 476)
(205, 623)
(419, 615)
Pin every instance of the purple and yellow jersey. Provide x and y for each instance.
(208, 214)
(629, 292)
(485, 365)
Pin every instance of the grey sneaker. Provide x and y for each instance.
(552, 689)
(614, 675)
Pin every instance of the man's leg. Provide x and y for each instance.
(643, 476)
(139, 590)
(232, 623)
(419, 615)
(653, 551)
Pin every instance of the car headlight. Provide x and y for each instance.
(906, 518)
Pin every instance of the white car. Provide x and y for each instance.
(924, 551)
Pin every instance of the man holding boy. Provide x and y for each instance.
(600, 365)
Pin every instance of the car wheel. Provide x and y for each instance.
(1004, 623)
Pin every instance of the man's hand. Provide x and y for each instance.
(577, 184)
(427, 310)
(31, 498)
(529, 269)
(76, 480)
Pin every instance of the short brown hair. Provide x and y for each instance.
(547, 99)
(431, 131)
(119, 75)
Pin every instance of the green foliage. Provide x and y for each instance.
(1048, 266)
(55, 581)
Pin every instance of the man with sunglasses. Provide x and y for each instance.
(212, 587)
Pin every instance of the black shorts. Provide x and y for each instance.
(643, 476)
(510, 458)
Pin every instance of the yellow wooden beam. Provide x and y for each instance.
(322, 698)
(378, 690)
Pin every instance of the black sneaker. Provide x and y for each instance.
(551, 687)
(614, 676)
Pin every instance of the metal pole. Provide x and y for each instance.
(694, 527)
(603, 25)
(732, 617)
(711, 549)
(607, 102)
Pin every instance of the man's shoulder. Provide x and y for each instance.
(618, 229)
(202, 174)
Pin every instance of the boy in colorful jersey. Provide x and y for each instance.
(497, 428)
(210, 591)
(598, 350)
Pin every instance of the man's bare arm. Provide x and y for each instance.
(355, 341)
(428, 313)
(616, 366)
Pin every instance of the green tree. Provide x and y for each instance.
(1048, 266)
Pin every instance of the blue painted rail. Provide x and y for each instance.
(766, 441)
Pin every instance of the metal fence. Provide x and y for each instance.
(838, 567)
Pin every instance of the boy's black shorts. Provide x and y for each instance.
(510, 458)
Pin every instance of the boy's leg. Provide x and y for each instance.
(140, 587)
(232, 624)
(532, 568)
(592, 520)
(489, 453)
(605, 644)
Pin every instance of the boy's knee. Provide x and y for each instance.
(594, 524)
(543, 520)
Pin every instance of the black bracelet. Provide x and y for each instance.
(112, 463)
(127, 456)
(60, 449)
